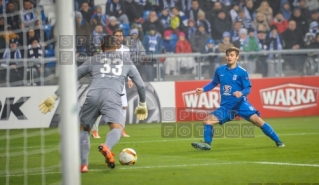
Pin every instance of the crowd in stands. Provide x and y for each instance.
(172, 26)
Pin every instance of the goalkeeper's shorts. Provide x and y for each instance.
(105, 102)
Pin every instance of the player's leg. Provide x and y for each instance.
(112, 114)
(124, 110)
(95, 128)
(267, 129)
(88, 115)
(248, 112)
(217, 116)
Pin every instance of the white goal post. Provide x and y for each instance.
(69, 126)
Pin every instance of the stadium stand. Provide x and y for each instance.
(266, 25)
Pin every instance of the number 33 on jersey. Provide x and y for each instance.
(111, 67)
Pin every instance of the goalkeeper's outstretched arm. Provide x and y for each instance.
(141, 110)
(48, 104)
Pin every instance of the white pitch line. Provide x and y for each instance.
(180, 165)
(164, 140)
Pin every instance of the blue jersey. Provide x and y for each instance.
(230, 80)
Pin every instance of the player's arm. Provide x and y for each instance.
(48, 104)
(141, 110)
(211, 85)
(246, 86)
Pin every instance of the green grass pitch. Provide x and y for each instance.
(172, 161)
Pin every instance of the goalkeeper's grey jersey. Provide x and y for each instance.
(109, 70)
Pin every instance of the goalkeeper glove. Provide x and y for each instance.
(48, 104)
(141, 111)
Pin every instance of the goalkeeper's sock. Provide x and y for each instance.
(84, 147)
(208, 133)
(268, 131)
(113, 137)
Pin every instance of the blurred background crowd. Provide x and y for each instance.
(164, 27)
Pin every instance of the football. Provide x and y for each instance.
(128, 156)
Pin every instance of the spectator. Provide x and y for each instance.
(86, 11)
(313, 4)
(213, 60)
(98, 17)
(206, 6)
(275, 41)
(152, 43)
(302, 23)
(153, 20)
(199, 40)
(266, 10)
(134, 10)
(2, 24)
(263, 45)
(285, 9)
(315, 44)
(15, 72)
(224, 45)
(40, 33)
(78, 3)
(245, 21)
(305, 13)
(242, 39)
(274, 5)
(170, 62)
(140, 4)
(186, 63)
(165, 19)
(176, 21)
(31, 36)
(8, 34)
(250, 10)
(251, 42)
(235, 32)
(216, 8)
(220, 25)
(81, 26)
(12, 19)
(140, 30)
(261, 19)
(280, 22)
(293, 39)
(190, 29)
(202, 20)
(136, 47)
(35, 51)
(193, 12)
(97, 37)
(28, 15)
(226, 3)
(314, 16)
(112, 25)
(234, 12)
(311, 35)
(116, 8)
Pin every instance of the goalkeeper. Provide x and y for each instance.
(108, 72)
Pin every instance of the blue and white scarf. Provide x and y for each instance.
(272, 45)
(7, 55)
(117, 6)
(152, 42)
(234, 35)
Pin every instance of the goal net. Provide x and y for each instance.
(37, 57)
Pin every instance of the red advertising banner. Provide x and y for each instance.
(273, 97)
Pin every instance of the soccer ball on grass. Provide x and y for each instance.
(128, 156)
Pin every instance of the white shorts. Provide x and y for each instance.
(124, 97)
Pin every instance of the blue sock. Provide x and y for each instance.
(208, 133)
(266, 128)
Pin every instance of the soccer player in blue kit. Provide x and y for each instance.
(234, 88)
